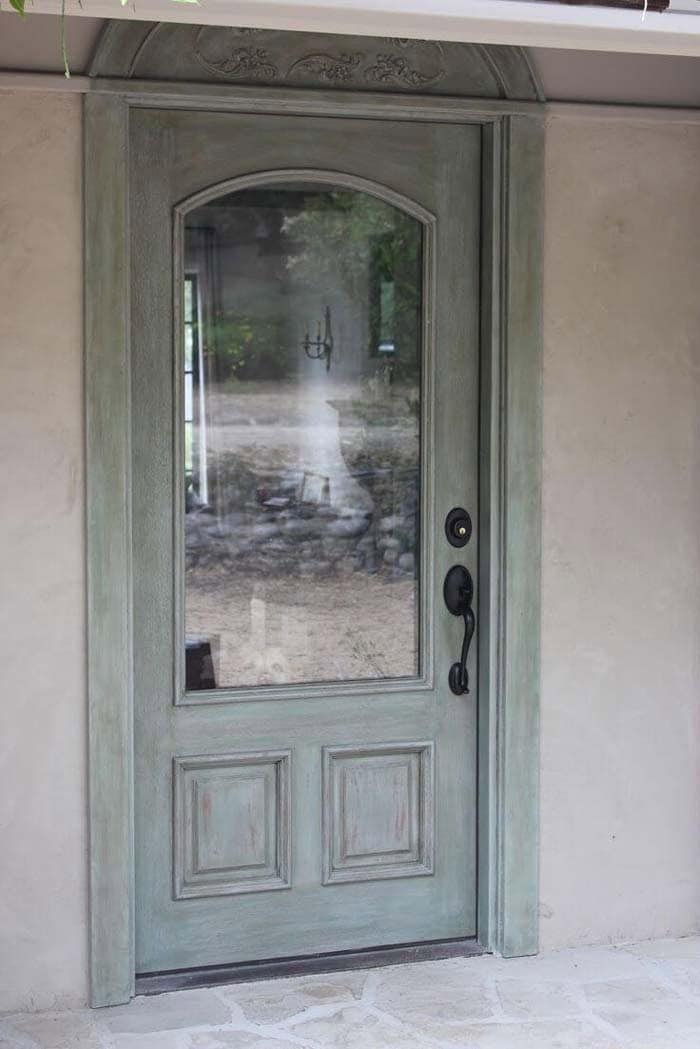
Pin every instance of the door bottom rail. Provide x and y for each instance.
(306, 965)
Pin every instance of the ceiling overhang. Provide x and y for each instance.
(517, 22)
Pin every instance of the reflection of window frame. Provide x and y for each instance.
(200, 261)
(389, 329)
(196, 461)
(377, 321)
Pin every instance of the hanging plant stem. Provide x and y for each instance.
(20, 6)
(64, 45)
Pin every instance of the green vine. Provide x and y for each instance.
(20, 6)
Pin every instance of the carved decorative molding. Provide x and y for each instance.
(186, 53)
(395, 69)
(334, 65)
(340, 68)
(242, 62)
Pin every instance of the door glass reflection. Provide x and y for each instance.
(302, 360)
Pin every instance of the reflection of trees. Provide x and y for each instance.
(275, 249)
(249, 345)
(301, 240)
(364, 243)
(355, 236)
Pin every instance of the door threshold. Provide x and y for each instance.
(306, 965)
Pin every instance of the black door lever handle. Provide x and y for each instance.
(458, 591)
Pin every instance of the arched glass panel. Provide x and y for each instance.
(302, 314)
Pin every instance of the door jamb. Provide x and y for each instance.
(510, 499)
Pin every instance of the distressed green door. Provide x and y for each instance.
(304, 303)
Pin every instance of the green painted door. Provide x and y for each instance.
(305, 327)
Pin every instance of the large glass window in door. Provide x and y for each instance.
(303, 340)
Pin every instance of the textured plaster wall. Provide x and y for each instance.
(621, 680)
(42, 649)
(621, 639)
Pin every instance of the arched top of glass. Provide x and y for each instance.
(303, 332)
(307, 180)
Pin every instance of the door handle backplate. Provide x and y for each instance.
(458, 591)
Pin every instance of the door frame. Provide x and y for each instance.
(510, 496)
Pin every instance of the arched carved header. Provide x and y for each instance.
(220, 54)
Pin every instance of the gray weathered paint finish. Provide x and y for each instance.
(279, 58)
(175, 157)
(250, 787)
(107, 397)
(521, 378)
(347, 847)
(510, 575)
(510, 566)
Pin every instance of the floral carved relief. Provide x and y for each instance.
(336, 69)
(395, 69)
(410, 63)
(238, 63)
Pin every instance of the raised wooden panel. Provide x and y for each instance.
(231, 832)
(378, 813)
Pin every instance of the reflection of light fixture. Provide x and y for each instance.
(320, 348)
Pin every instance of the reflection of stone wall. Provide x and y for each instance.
(265, 525)
(310, 486)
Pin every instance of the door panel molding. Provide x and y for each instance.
(264, 787)
(509, 573)
(403, 790)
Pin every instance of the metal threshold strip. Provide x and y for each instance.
(308, 965)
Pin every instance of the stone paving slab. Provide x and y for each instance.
(639, 996)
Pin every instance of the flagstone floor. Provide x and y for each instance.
(643, 996)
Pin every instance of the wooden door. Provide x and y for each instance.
(305, 327)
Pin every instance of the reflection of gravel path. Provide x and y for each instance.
(281, 424)
(291, 629)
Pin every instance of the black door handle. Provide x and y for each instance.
(458, 591)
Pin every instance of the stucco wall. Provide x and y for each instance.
(621, 679)
(621, 637)
(42, 648)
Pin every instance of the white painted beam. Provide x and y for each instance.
(524, 22)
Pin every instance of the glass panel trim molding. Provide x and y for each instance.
(302, 330)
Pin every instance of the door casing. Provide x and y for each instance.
(510, 498)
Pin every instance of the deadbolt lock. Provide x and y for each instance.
(458, 527)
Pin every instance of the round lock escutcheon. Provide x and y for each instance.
(458, 527)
